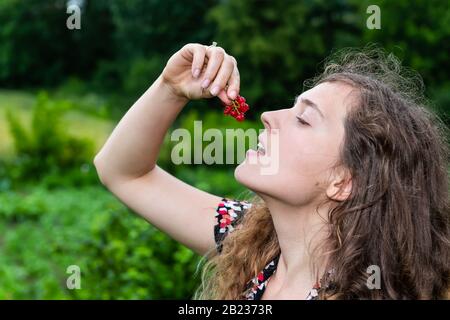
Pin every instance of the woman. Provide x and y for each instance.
(359, 205)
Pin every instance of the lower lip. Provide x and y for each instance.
(251, 152)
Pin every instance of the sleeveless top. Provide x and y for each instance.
(229, 213)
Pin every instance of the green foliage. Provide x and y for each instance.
(422, 40)
(41, 233)
(421, 37)
(122, 45)
(154, 27)
(37, 48)
(121, 256)
(46, 147)
(136, 261)
(141, 73)
(82, 98)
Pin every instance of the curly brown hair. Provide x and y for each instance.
(397, 216)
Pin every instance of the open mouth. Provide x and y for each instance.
(261, 148)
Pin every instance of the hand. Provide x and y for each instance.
(197, 71)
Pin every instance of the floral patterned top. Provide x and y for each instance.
(229, 213)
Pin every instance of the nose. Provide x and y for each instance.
(272, 119)
(266, 119)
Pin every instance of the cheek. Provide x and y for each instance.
(307, 161)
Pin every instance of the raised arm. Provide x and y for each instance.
(126, 164)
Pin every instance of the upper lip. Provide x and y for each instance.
(260, 140)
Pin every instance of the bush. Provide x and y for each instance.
(141, 73)
(46, 148)
(80, 93)
(135, 260)
(120, 255)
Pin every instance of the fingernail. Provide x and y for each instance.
(215, 90)
(205, 83)
(196, 72)
(233, 94)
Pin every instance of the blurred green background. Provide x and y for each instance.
(62, 92)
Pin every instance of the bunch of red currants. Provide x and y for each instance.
(237, 108)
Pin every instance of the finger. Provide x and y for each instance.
(234, 82)
(222, 76)
(223, 96)
(215, 57)
(198, 60)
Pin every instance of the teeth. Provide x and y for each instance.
(261, 148)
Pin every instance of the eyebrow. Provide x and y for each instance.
(309, 103)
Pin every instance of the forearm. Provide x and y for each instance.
(132, 149)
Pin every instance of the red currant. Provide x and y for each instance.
(237, 108)
(227, 110)
(243, 107)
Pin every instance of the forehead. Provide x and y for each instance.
(333, 98)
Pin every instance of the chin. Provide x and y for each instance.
(249, 176)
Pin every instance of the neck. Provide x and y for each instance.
(299, 230)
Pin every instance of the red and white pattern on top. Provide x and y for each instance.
(228, 214)
(258, 284)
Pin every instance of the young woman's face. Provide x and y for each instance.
(301, 144)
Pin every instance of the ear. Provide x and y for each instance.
(340, 187)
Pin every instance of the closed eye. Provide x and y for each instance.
(303, 121)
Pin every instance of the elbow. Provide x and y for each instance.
(108, 175)
(99, 167)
